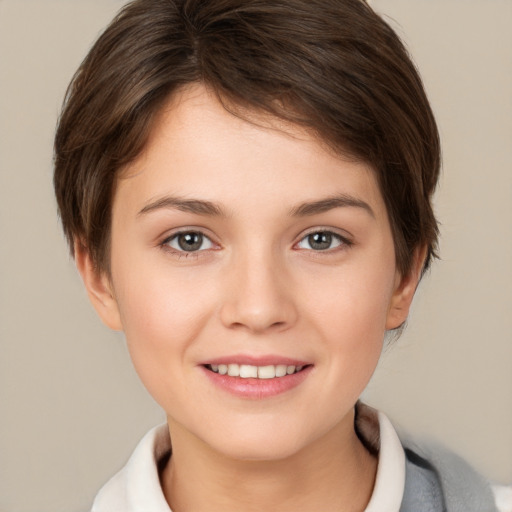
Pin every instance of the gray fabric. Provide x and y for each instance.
(423, 492)
(437, 480)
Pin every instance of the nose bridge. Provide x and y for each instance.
(259, 296)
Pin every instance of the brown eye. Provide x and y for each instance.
(189, 241)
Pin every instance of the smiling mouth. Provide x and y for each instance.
(246, 371)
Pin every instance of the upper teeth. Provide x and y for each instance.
(247, 371)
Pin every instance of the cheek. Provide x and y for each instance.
(157, 304)
(161, 317)
(353, 300)
(356, 334)
(350, 309)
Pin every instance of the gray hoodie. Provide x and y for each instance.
(437, 480)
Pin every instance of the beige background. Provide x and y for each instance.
(71, 407)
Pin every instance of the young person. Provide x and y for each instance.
(246, 188)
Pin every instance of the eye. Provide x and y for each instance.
(189, 241)
(322, 241)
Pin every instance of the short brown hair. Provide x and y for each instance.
(333, 66)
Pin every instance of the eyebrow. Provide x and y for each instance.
(323, 205)
(208, 208)
(197, 206)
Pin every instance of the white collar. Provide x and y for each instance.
(390, 481)
(136, 488)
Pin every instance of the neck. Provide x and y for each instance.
(334, 473)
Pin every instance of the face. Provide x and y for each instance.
(250, 250)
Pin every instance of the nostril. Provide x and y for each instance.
(258, 327)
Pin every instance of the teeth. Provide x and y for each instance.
(247, 371)
(233, 370)
(266, 372)
(281, 370)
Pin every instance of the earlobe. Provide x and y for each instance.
(405, 287)
(99, 288)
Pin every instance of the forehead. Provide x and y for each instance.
(198, 147)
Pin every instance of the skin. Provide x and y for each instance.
(256, 287)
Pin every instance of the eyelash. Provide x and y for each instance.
(342, 242)
(182, 253)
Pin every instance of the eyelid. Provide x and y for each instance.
(343, 234)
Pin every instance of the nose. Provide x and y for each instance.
(259, 296)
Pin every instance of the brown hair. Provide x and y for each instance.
(332, 66)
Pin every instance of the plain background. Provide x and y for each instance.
(71, 407)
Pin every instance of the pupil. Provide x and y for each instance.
(320, 241)
(190, 241)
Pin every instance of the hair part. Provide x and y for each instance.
(332, 66)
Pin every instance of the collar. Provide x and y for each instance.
(136, 488)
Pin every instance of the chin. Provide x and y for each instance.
(260, 440)
(260, 448)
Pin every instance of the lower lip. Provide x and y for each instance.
(257, 389)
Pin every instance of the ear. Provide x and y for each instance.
(405, 286)
(99, 288)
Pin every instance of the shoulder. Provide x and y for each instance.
(436, 471)
(136, 487)
(112, 496)
(430, 477)
(503, 495)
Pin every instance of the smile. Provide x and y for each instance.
(247, 371)
(259, 380)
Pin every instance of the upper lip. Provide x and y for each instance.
(253, 360)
